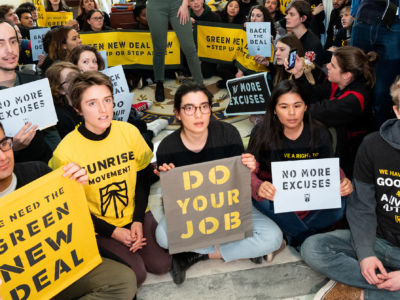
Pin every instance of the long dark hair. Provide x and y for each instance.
(238, 18)
(267, 137)
(294, 43)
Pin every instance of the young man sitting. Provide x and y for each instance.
(365, 260)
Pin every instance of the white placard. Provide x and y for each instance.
(122, 106)
(307, 184)
(30, 102)
(122, 97)
(259, 38)
(36, 36)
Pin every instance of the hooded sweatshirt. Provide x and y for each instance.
(374, 207)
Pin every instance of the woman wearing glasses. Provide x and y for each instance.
(95, 21)
(84, 7)
(201, 139)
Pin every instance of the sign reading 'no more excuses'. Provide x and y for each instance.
(207, 204)
(307, 184)
(248, 95)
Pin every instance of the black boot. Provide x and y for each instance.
(256, 260)
(160, 97)
(183, 261)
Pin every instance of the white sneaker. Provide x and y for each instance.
(157, 125)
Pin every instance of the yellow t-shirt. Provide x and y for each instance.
(112, 164)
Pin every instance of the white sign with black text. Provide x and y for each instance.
(122, 97)
(30, 102)
(36, 36)
(307, 184)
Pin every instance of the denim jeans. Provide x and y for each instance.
(297, 230)
(333, 255)
(267, 237)
(386, 42)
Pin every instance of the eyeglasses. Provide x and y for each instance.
(6, 143)
(97, 18)
(191, 109)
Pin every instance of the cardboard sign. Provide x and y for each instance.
(30, 102)
(307, 184)
(47, 239)
(58, 18)
(133, 48)
(36, 36)
(248, 95)
(122, 97)
(41, 12)
(225, 43)
(207, 204)
(259, 38)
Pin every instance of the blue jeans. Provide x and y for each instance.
(386, 42)
(297, 230)
(333, 255)
(267, 237)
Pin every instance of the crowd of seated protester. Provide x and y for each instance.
(324, 106)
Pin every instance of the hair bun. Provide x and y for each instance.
(372, 56)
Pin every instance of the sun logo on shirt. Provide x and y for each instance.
(113, 196)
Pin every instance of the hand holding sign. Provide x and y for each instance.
(74, 172)
(24, 137)
(267, 191)
(346, 187)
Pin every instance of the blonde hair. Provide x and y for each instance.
(395, 92)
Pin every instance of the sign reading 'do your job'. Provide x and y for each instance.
(259, 38)
(207, 204)
(122, 96)
(30, 102)
(248, 95)
(307, 184)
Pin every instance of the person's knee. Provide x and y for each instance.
(161, 265)
(129, 283)
(312, 249)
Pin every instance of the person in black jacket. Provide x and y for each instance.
(365, 259)
(344, 101)
(298, 20)
(334, 22)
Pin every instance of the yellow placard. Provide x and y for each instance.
(131, 47)
(49, 19)
(284, 4)
(221, 43)
(58, 18)
(41, 11)
(47, 240)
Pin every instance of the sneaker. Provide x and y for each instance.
(270, 257)
(143, 105)
(334, 290)
(157, 125)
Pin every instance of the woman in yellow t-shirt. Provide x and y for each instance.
(117, 159)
